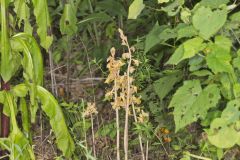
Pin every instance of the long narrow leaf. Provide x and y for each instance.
(54, 112)
(43, 21)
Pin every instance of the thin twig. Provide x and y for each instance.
(53, 78)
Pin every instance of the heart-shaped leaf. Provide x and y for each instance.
(208, 22)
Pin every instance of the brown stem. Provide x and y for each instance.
(5, 120)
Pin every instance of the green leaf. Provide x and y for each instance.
(226, 127)
(235, 17)
(23, 13)
(189, 98)
(209, 22)
(25, 117)
(213, 3)
(165, 84)
(95, 17)
(186, 50)
(7, 67)
(20, 90)
(187, 31)
(43, 21)
(219, 57)
(173, 8)
(183, 99)
(157, 35)
(32, 61)
(21, 146)
(231, 113)
(68, 19)
(135, 9)
(221, 135)
(196, 63)
(54, 112)
(36, 55)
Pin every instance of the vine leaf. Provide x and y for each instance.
(213, 3)
(68, 20)
(226, 127)
(219, 131)
(43, 21)
(219, 57)
(165, 84)
(186, 50)
(208, 22)
(135, 9)
(52, 109)
(190, 102)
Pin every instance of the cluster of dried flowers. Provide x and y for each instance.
(123, 92)
(90, 110)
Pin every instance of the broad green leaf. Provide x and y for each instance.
(36, 55)
(235, 17)
(29, 75)
(95, 17)
(7, 68)
(191, 103)
(68, 19)
(213, 3)
(231, 113)
(226, 127)
(23, 13)
(135, 9)
(185, 15)
(209, 22)
(226, 86)
(219, 57)
(186, 50)
(165, 84)
(221, 134)
(183, 99)
(196, 63)
(186, 32)
(20, 90)
(157, 35)
(43, 22)
(54, 112)
(173, 8)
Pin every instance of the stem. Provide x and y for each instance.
(93, 137)
(139, 136)
(127, 105)
(147, 151)
(68, 67)
(53, 78)
(117, 120)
